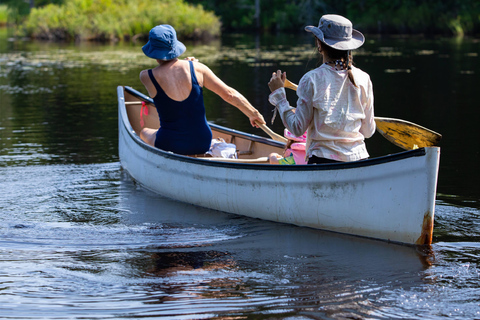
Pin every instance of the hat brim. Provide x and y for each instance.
(166, 54)
(316, 31)
(353, 43)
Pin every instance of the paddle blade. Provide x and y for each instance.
(406, 135)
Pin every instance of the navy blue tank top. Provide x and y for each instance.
(183, 124)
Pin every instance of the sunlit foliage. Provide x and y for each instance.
(3, 15)
(118, 19)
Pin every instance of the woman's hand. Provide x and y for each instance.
(277, 80)
(191, 59)
(255, 119)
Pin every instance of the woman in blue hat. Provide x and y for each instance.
(176, 87)
(335, 100)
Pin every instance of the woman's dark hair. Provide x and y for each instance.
(344, 55)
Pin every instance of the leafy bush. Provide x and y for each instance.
(118, 19)
(3, 15)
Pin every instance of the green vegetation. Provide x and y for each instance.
(455, 17)
(18, 9)
(118, 19)
(3, 14)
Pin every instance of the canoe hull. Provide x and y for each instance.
(391, 198)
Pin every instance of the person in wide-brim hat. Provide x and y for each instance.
(176, 87)
(335, 100)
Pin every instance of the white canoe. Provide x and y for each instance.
(389, 198)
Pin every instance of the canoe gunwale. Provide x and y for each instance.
(393, 195)
(254, 166)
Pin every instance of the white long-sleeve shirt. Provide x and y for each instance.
(337, 115)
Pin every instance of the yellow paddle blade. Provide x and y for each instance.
(406, 135)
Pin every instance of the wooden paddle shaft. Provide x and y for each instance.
(271, 134)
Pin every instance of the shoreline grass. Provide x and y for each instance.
(112, 20)
(3, 15)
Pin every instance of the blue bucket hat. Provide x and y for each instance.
(163, 44)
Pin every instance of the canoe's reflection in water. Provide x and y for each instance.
(235, 265)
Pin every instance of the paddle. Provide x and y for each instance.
(404, 134)
(271, 134)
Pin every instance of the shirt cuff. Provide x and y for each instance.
(277, 96)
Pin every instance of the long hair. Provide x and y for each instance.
(343, 55)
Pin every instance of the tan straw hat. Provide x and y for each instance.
(337, 32)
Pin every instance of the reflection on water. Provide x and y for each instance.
(97, 245)
(79, 239)
(141, 255)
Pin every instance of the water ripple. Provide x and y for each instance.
(98, 246)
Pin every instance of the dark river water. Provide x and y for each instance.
(80, 240)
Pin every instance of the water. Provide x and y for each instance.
(79, 240)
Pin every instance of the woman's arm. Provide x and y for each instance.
(297, 122)
(229, 94)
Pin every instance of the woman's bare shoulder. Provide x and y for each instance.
(143, 75)
(201, 66)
